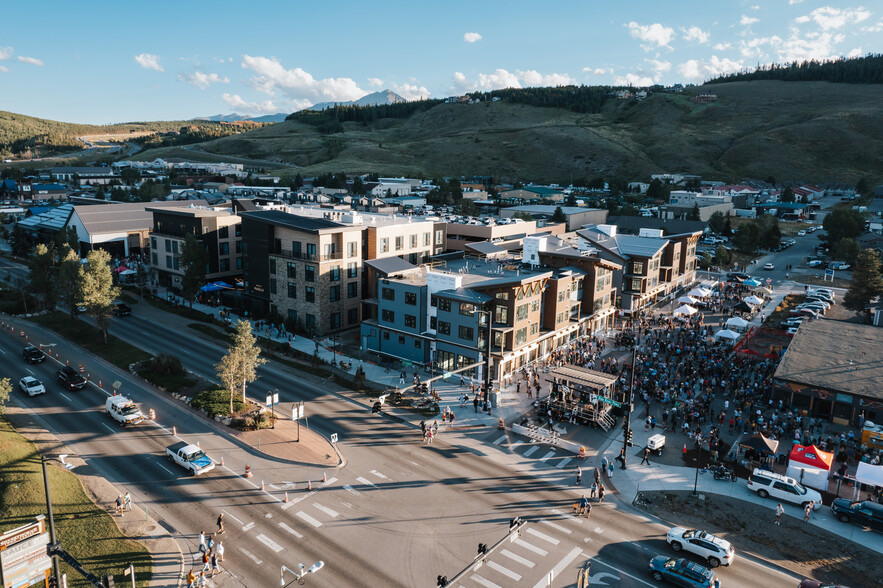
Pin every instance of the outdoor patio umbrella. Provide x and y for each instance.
(737, 323)
(753, 300)
(760, 444)
(685, 310)
(727, 334)
(687, 300)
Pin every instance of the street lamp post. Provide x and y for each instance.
(52, 541)
(487, 354)
(698, 461)
(626, 432)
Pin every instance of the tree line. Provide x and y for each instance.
(854, 70)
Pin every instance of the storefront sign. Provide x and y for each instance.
(23, 557)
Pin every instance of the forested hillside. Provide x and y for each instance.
(858, 70)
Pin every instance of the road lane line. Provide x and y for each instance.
(568, 516)
(308, 518)
(291, 530)
(106, 426)
(233, 517)
(574, 553)
(165, 468)
(350, 489)
(330, 512)
(329, 482)
(554, 526)
(379, 475)
(248, 527)
(501, 439)
(542, 536)
(514, 446)
(66, 396)
(302, 497)
(518, 558)
(251, 556)
(366, 482)
(269, 543)
(564, 462)
(30, 372)
(641, 580)
(485, 582)
(531, 451)
(530, 547)
(504, 571)
(547, 456)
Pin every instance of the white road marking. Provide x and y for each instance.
(248, 527)
(516, 557)
(330, 512)
(514, 446)
(505, 571)
(106, 426)
(287, 505)
(366, 482)
(291, 530)
(564, 462)
(530, 547)
(555, 526)
(642, 581)
(568, 516)
(269, 543)
(308, 518)
(329, 482)
(485, 582)
(303, 497)
(559, 567)
(251, 556)
(379, 475)
(350, 489)
(547, 456)
(66, 396)
(531, 451)
(542, 536)
(29, 371)
(234, 518)
(166, 469)
(501, 439)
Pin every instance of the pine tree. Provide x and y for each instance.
(558, 216)
(42, 268)
(67, 280)
(867, 281)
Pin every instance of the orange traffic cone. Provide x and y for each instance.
(309, 485)
(262, 485)
(286, 498)
(685, 449)
(324, 477)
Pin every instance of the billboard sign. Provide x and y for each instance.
(24, 560)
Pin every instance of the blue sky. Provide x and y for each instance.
(105, 62)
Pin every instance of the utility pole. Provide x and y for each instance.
(626, 426)
(52, 542)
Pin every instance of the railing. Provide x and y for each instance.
(308, 256)
(604, 420)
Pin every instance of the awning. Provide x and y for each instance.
(686, 310)
(215, 286)
(687, 300)
(812, 456)
(869, 474)
(761, 444)
(754, 300)
(727, 334)
(736, 322)
(752, 282)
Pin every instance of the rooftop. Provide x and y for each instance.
(550, 208)
(113, 217)
(669, 227)
(624, 245)
(835, 355)
(292, 221)
(476, 272)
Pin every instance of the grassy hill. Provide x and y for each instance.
(811, 131)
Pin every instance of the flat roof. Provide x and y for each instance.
(550, 208)
(293, 221)
(835, 355)
(586, 377)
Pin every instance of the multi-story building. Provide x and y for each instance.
(507, 231)
(306, 270)
(218, 230)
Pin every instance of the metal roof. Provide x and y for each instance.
(484, 247)
(123, 217)
(464, 295)
(390, 265)
(643, 246)
(293, 221)
(583, 376)
(670, 227)
(53, 219)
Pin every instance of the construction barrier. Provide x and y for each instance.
(582, 452)
(501, 425)
(248, 473)
(82, 369)
(152, 414)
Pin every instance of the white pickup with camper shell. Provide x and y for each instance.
(190, 457)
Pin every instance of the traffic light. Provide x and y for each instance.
(482, 548)
(514, 523)
(442, 581)
(628, 437)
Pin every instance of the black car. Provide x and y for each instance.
(70, 378)
(32, 355)
(122, 309)
(867, 513)
(739, 275)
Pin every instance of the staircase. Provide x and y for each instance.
(604, 420)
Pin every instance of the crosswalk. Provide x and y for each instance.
(538, 454)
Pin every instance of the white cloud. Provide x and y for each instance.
(829, 18)
(502, 78)
(471, 37)
(149, 61)
(535, 78)
(298, 85)
(811, 46)
(632, 79)
(411, 91)
(802, 19)
(5, 53)
(753, 48)
(876, 28)
(4, 69)
(376, 82)
(699, 70)
(202, 80)
(722, 46)
(266, 107)
(794, 1)
(748, 20)
(659, 67)
(857, 52)
(598, 71)
(31, 60)
(696, 34)
(655, 33)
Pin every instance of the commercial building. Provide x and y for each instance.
(577, 216)
(508, 233)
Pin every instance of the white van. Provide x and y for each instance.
(767, 483)
(123, 410)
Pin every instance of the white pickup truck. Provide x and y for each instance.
(190, 457)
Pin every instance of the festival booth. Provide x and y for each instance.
(685, 310)
(810, 466)
(581, 395)
(736, 323)
(872, 475)
(759, 449)
(727, 335)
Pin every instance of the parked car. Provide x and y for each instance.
(767, 484)
(714, 550)
(738, 275)
(817, 263)
(801, 233)
(769, 266)
(807, 312)
(681, 572)
(867, 513)
(31, 386)
(32, 354)
(838, 265)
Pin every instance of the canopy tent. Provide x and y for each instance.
(215, 286)
(812, 456)
(685, 310)
(760, 444)
(736, 323)
(687, 300)
(869, 474)
(810, 466)
(753, 300)
(763, 290)
(699, 292)
(128, 272)
(743, 307)
(752, 282)
(120, 269)
(727, 334)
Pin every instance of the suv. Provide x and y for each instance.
(32, 355)
(681, 572)
(70, 378)
(865, 513)
(767, 483)
(714, 550)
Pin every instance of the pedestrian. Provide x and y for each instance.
(202, 541)
(206, 562)
(423, 427)
(221, 524)
(594, 490)
(604, 465)
(214, 564)
(220, 551)
(119, 505)
(127, 502)
(600, 492)
(210, 543)
(579, 475)
(451, 420)
(779, 512)
(646, 459)
(191, 579)
(475, 402)
(202, 579)
(597, 476)
(812, 509)
(583, 505)
(435, 427)
(610, 469)
(806, 510)
(429, 436)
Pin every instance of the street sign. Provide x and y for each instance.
(272, 399)
(447, 375)
(297, 411)
(23, 557)
(407, 363)
(117, 384)
(610, 401)
(333, 438)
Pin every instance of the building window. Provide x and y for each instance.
(401, 339)
(388, 316)
(310, 294)
(295, 248)
(520, 336)
(400, 241)
(334, 323)
(352, 248)
(334, 274)
(433, 322)
(637, 267)
(467, 333)
(502, 296)
(467, 309)
(352, 316)
(388, 294)
(224, 233)
(292, 270)
(417, 344)
(154, 258)
(174, 247)
(560, 318)
(636, 285)
(239, 263)
(334, 294)
(310, 273)
(310, 322)
(292, 315)
(352, 270)
(444, 304)
(238, 246)
(426, 239)
(153, 242)
(410, 320)
(411, 298)
(444, 328)
(224, 265)
(352, 290)
(413, 241)
(534, 327)
(238, 230)
(440, 237)
(168, 246)
(272, 286)
(330, 251)
(521, 312)
(498, 340)
(311, 251)
(561, 296)
(175, 263)
(501, 314)
(384, 245)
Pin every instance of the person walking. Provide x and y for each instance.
(475, 402)
(779, 512)
(119, 505)
(214, 564)
(597, 476)
(610, 469)
(812, 509)
(583, 505)
(593, 492)
(603, 465)
(127, 502)
(806, 510)
(600, 492)
(202, 579)
(646, 459)
(206, 562)
(191, 579)
(451, 419)
(221, 524)
(579, 475)
(220, 551)
(202, 541)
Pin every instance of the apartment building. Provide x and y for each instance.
(679, 262)
(218, 230)
(307, 271)
(461, 233)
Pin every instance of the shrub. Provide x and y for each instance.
(165, 364)
(216, 402)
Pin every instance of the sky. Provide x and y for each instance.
(107, 62)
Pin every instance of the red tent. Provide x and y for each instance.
(812, 456)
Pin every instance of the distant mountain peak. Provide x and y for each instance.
(374, 99)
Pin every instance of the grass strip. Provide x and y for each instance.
(117, 352)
